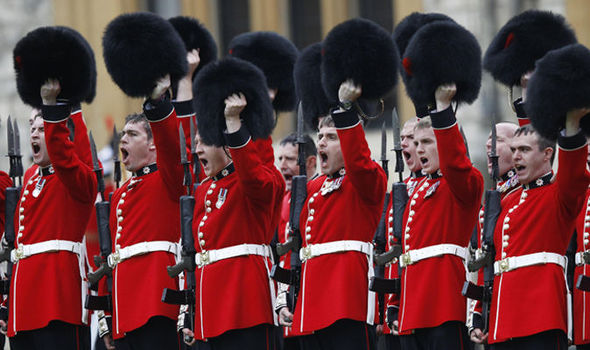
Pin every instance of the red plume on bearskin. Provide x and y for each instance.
(308, 85)
(363, 51)
(559, 83)
(275, 56)
(55, 52)
(407, 27)
(140, 48)
(215, 83)
(524, 39)
(442, 52)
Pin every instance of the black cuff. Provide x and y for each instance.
(237, 139)
(76, 107)
(477, 321)
(519, 108)
(157, 110)
(55, 113)
(183, 108)
(443, 119)
(571, 143)
(345, 119)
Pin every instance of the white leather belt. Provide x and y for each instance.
(516, 262)
(210, 256)
(580, 260)
(415, 255)
(123, 254)
(26, 250)
(314, 250)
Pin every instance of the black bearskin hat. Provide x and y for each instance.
(216, 82)
(559, 83)
(275, 56)
(140, 48)
(363, 51)
(407, 27)
(522, 40)
(308, 84)
(439, 53)
(55, 52)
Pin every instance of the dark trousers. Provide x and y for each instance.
(388, 342)
(341, 335)
(449, 335)
(57, 335)
(158, 333)
(583, 347)
(554, 339)
(291, 343)
(261, 337)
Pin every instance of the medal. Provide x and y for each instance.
(221, 197)
(38, 187)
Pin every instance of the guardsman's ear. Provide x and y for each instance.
(151, 145)
(547, 154)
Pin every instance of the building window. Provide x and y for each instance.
(234, 19)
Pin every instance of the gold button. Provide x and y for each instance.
(201, 235)
(308, 236)
(208, 209)
(124, 194)
(26, 192)
(307, 229)
(213, 185)
(202, 242)
(207, 202)
(21, 210)
(209, 191)
(311, 211)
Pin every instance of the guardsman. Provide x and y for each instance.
(144, 231)
(287, 162)
(336, 250)
(235, 208)
(392, 270)
(536, 221)
(49, 237)
(434, 247)
(526, 256)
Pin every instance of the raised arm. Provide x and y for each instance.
(77, 176)
(465, 181)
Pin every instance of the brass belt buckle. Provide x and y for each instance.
(203, 258)
(504, 265)
(19, 253)
(406, 259)
(305, 253)
(114, 258)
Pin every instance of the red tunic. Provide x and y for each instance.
(581, 298)
(539, 219)
(146, 208)
(335, 286)
(46, 286)
(233, 208)
(442, 210)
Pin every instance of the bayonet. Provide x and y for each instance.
(97, 169)
(384, 159)
(10, 138)
(397, 145)
(116, 161)
(17, 154)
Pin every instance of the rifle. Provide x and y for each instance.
(293, 243)
(380, 237)
(187, 262)
(399, 197)
(485, 256)
(104, 302)
(12, 197)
